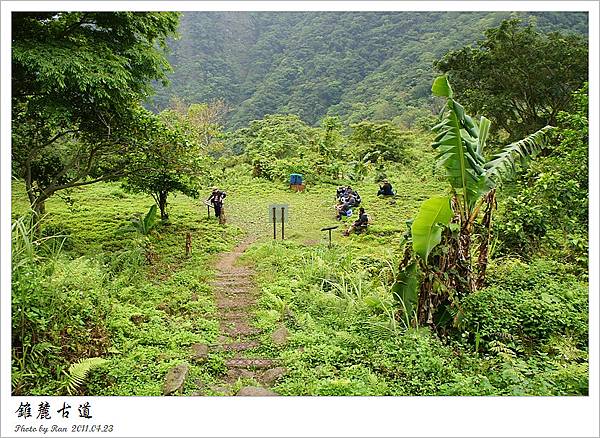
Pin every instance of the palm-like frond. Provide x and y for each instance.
(150, 219)
(458, 143)
(484, 129)
(79, 371)
(503, 165)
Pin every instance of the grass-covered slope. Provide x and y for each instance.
(140, 303)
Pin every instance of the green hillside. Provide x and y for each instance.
(375, 65)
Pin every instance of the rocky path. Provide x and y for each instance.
(236, 295)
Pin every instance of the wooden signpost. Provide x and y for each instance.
(278, 213)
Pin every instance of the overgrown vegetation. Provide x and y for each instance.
(470, 300)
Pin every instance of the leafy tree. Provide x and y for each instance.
(383, 139)
(550, 209)
(519, 77)
(449, 244)
(201, 122)
(332, 137)
(77, 80)
(183, 152)
(279, 144)
(172, 164)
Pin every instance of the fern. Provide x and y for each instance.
(79, 371)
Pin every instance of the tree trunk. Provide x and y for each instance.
(482, 260)
(162, 205)
(39, 207)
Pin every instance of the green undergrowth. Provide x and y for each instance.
(138, 302)
(99, 290)
(345, 337)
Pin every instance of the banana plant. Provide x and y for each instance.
(143, 225)
(453, 220)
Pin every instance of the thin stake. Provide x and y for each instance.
(282, 209)
(274, 224)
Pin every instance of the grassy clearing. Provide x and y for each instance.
(142, 304)
(147, 315)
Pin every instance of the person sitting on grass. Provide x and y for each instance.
(361, 223)
(355, 196)
(216, 199)
(345, 204)
(344, 209)
(385, 189)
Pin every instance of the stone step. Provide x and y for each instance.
(250, 363)
(233, 304)
(238, 328)
(255, 391)
(235, 315)
(237, 292)
(234, 273)
(238, 346)
(232, 284)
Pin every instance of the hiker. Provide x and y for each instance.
(356, 197)
(385, 189)
(216, 199)
(360, 224)
(345, 204)
(343, 209)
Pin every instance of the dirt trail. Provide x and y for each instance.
(236, 295)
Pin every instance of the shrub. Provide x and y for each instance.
(525, 305)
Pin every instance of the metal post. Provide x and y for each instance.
(274, 224)
(282, 221)
(330, 239)
(208, 211)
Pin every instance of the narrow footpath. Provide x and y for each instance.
(235, 296)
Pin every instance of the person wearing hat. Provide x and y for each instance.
(385, 189)
(216, 199)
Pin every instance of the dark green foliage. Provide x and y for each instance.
(358, 65)
(77, 81)
(527, 306)
(57, 311)
(279, 145)
(548, 208)
(518, 76)
(383, 141)
(144, 225)
(172, 163)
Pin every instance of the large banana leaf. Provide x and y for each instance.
(426, 229)
(503, 164)
(458, 147)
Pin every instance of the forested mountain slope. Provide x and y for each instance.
(357, 65)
